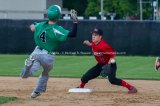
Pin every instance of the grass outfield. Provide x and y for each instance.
(6, 99)
(129, 67)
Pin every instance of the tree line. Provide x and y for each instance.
(122, 8)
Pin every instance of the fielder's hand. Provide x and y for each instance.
(88, 43)
(32, 27)
(73, 14)
(112, 61)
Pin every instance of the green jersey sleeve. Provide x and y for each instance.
(60, 33)
(36, 24)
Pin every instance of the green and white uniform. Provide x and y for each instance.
(47, 38)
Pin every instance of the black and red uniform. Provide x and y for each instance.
(106, 66)
(102, 53)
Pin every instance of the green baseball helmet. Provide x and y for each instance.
(54, 12)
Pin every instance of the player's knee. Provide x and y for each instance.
(47, 68)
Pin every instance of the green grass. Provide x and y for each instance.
(6, 99)
(129, 67)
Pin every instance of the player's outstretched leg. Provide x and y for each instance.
(41, 86)
(31, 65)
(116, 81)
(89, 75)
(26, 69)
(43, 78)
(131, 89)
(157, 64)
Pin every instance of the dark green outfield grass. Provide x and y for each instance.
(6, 99)
(129, 67)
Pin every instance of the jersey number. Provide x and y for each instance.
(43, 36)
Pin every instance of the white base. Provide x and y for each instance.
(80, 90)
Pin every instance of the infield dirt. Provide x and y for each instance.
(104, 94)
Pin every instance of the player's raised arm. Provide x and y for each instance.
(33, 26)
(87, 42)
(73, 32)
(73, 14)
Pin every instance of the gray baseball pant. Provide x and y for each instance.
(42, 58)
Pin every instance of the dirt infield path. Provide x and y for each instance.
(104, 94)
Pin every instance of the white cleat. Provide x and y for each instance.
(35, 94)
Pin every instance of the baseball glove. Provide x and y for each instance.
(73, 14)
(106, 69)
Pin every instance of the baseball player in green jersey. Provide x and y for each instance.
(47, 36)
